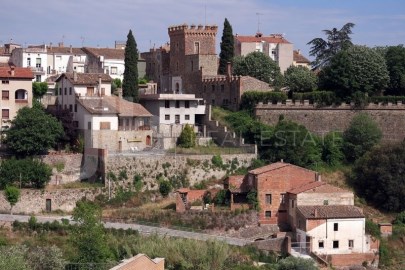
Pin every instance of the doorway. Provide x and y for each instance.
(48, 205)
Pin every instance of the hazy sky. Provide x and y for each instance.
(100, 23)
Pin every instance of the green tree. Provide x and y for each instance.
(13, 257)
(88, 236)
(39, 89)
(379, 177)
(361, 135)
(33, 132)
(258, 65)
(332, 148)
(358, 68)
(165, 188)
(187, 137)
(336, 40)
(300, 79)
(12, 196)
(116, 83)
(395, 58)
(130, 82)
(292, 263)
(227, 47)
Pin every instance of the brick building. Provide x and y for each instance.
(141, 262)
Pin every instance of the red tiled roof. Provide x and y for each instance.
(299, 58)
(330, 211)
(106, 52)
(97, 105)
(306, 187)
(19, 73)
(235, 183)
(86, 78)
(193, 195)
(256, 39)
(127, 108)
(275, 166)
(65, 50)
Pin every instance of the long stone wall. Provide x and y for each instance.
(195, 168)
(389, 117)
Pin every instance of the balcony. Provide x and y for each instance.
(140, 128)
(38, 70)
(23, 101)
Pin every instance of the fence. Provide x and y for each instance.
(301, 247)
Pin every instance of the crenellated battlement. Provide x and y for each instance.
(220, 79)
(193, 29)
(306, 105)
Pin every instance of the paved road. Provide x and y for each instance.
(143, 229)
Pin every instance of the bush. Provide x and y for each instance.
(372, 229)
(321, 98)
(400, 218)
(187, 137)
(165, 188)
(217, 161)
(252, 199)
(250, 99)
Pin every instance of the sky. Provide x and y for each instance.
(100, 23)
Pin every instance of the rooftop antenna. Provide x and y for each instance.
(82, 38)
(258, 21)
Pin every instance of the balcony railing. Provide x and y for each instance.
(144, 127)
(21, 101)
(37, 69)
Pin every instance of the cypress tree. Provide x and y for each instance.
(130, 82)
(227, 52)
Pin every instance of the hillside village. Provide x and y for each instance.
(282, 161)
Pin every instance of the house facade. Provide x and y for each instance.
(65, 59)
(16, 92)
(275, 46)
(141, 262)
(33, 57)
(300, 60)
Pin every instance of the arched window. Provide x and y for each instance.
(177, 88)
(21, 95)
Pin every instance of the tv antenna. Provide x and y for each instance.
(82, 38)
(258, 21)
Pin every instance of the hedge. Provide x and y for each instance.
(250, 98)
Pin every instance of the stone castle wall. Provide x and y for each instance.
(389, 117)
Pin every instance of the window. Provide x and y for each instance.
(70, 90)
(192, 65)
(335, 244)
(196, 47)
(113, 70)
(76, 124)
(351, 244)
(90, 91)
(282, 195)
(38, 62)
(105, 125)
(60, 91)
(321, 244)
(5, 82)
(325, 202)
(167, 117)
(177, 103)
(187, 117)
(268, 198)
(292, 203)
(213, 87)
(65, 91)
(75, 107)
(177, 66)
(335, 227)
(5, 95)
(89, 125)
(5, 113)
(213, 102)
(268, 214)
(167, 104)
(38, 78)
(71, 108)
(222, 88)
(177, 118)
(187, 104)
(28, 62)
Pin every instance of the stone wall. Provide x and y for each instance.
(195, 168)
(33, 201)
(65, 167)
(390, 118)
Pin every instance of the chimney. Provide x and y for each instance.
(60, 44)
(299, 51)
(315, 212)
(75, 76)
(99, 85)
(228, 70)
(12, 70)
(70, 49)
(50, 45)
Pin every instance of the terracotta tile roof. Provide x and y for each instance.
(306, 187)
(327, 189)
(330, 211)
(106, 52)
(97, 105)
(299, 58)
(127, 108)
(236, 184)
(193, 195)
(275, 166)
(19, 73)
(268, 39)
(86, 78)
(65, 50)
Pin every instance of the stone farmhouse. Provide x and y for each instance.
(106, 121)
(141, 262)
(300, 60)
(16, 92)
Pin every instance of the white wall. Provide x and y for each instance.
(117, 63)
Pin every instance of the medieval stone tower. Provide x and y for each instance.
(192, 55)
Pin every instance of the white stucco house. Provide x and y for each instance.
(63, 59)
(33, 57)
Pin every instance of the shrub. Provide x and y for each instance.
(321, 98)
(252, 199)
(372, 229)
(122, 175)
(217, 161)
(187, 137)
(250, 99)
(400, 218)
(165, 188)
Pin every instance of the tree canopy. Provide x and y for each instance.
(227, 47)
(361, 135)
(357, 69)
(187, 137)
(39, 89)
(258, 65)
(395, 58)
(336, 40)
(12, 195)
(379, 177)
(130, 82)
(300, 79)
(33, 132)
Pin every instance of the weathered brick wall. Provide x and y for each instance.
(353, 259)
(390, 118)
(196, 168)
(33, 201)
(71, 167)
(276, 244)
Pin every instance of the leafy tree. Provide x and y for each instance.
(13, 257)
(88, 236)
(336, 40)
(395, 58)
(227, 47)
(12, 196)
(332, 148)
(400, 218)
(294, 144)
(358, 68)
(252, 199)
(130, 82)
(165, 188)
(379, 177)
(45, 258)
(187, 137)
(293, 263)
(116, 83)
(65, 117)
(33, 132)
(258, 65)
(361, 135)
(300, 79)
(217, 161)
(39, 89)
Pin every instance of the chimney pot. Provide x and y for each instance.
(12, 70)
(315, 212)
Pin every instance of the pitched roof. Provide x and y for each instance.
(65, 50)
(106, 52)
(127, 108)
(86, 78)
(299, 58)
(306, 187)
(275, 166)
(19, 72)
(97, 105)
(257, 38)
(330, 211)
(236, 184)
